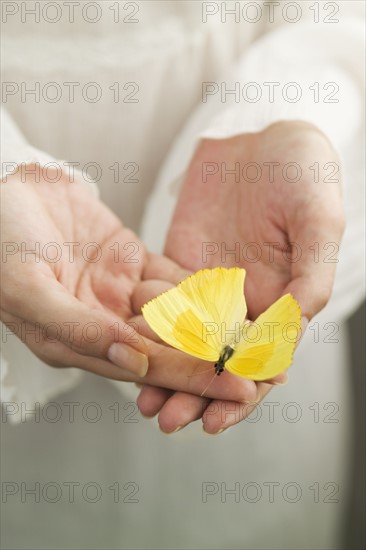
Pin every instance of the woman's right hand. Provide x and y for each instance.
(69, 268)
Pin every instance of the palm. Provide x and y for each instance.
(215, 218)
(98, 260)
(71, 299)
(258, 225)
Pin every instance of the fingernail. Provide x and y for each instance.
(283, 383)
(280, 383)
(215, 433)
(173, 432)
(127, 358)
(177, 429)
(145, 416)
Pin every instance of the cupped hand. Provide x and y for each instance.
(270, 202)
(69, 268)
(280, 215)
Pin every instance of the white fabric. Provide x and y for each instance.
(169, 53)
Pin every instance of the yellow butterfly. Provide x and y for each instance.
(204, 316)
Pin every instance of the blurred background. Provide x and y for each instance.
(354, 525)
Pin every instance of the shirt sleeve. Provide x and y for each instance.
(306, 71)
(17, 154)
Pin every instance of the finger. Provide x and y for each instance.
(161, 267)
(181, 409)
(262, 390)
(152, 399)
(279, 380)
(317, 241)
(141, 326)
(147, 290)
(87, 331)
(221, 415)
(169, 368)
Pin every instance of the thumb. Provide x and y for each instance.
(313, 271)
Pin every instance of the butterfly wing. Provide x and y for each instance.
(189, 316)
(267, 346)
(249, 362)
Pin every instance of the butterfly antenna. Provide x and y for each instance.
(199, 373)
(209, 384)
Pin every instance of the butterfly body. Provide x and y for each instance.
(225, 355)
(201, 315)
